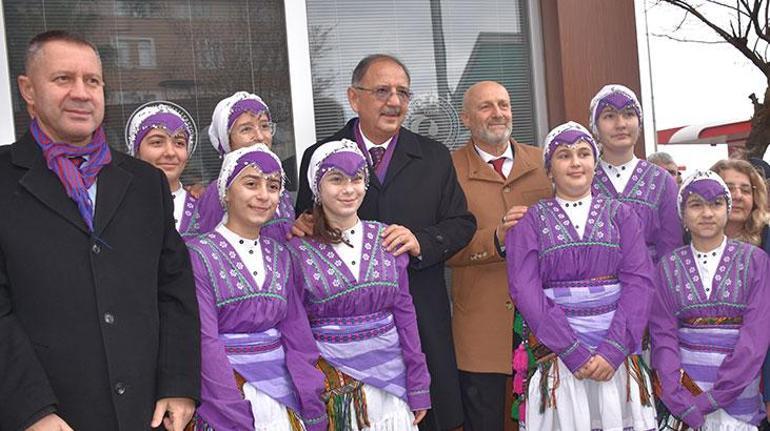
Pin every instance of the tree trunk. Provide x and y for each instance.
(759, 137)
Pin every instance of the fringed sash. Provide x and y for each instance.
(589, 306)
(356, 350)
(261, 360)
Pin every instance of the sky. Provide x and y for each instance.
(695, 83)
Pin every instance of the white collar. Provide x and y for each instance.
(582, 202)
(709, 255)
(179, 192)
(236, 240)
(369, 144)
(486, 157)
(628, 166)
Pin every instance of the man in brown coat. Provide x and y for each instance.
(500, 178)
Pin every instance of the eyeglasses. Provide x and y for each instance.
(745, 189)
(383, 93)
(264, 128)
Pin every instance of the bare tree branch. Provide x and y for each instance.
(679, 39)
(741, 44)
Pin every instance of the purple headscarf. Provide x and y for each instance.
(706, 184)
(569, 134)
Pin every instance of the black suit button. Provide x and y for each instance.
(96, 249)
(120, 388)
(109, 318)
(440, 238)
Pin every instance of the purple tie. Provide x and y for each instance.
(497, 164)
(377, 152)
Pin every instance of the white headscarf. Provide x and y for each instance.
(221, 121)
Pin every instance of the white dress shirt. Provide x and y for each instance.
(577, 212)
(369, 144)
(249, 251)
(619, 175)
(507, 155)
(707, 263)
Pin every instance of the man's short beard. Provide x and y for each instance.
(495, 140)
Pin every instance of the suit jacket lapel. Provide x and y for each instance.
(112, 185)
(42, 183)
(522, 164)
(407, 148)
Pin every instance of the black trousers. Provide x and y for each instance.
(483, 396)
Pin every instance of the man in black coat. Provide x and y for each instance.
(413, 187)
(98, 316)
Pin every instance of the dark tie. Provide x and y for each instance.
(377, 152)
(497, 164)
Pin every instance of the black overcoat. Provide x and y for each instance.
(420, 192)
(95, 327)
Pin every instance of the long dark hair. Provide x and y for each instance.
(322, 231)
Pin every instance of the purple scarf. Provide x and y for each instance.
(76, 181)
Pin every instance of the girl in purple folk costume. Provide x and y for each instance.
(579, 274)
(258, 354)
(709, 319)
(357, 298)
(238, 121)
(616, 122)
(164, 134)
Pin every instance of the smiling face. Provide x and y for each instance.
(742, 192)
(380, 119)
(249, 129)
(252, 199)
(165, 152)
(64, 90)
(705, 220)
(618, 130)
(487, 114)
(341, 196)
(572, 170)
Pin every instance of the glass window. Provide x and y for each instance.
(191, 52)
(448, 45)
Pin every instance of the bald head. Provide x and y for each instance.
(487, 115)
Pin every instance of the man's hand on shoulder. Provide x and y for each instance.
(303, 226)
(173, 413)
(196, 190)
(397, 239)
(51, 422)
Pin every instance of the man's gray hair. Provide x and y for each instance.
(660, 157)
(363, 66)
(36, 44)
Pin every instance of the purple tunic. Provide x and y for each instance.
(211, 213)
(723, 359)
(370, 305)
(189, 224)
(545, 252)
(651, 192)
(230, 304)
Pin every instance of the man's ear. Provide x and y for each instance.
(26, 89)
(353, 99)
(465, 119)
